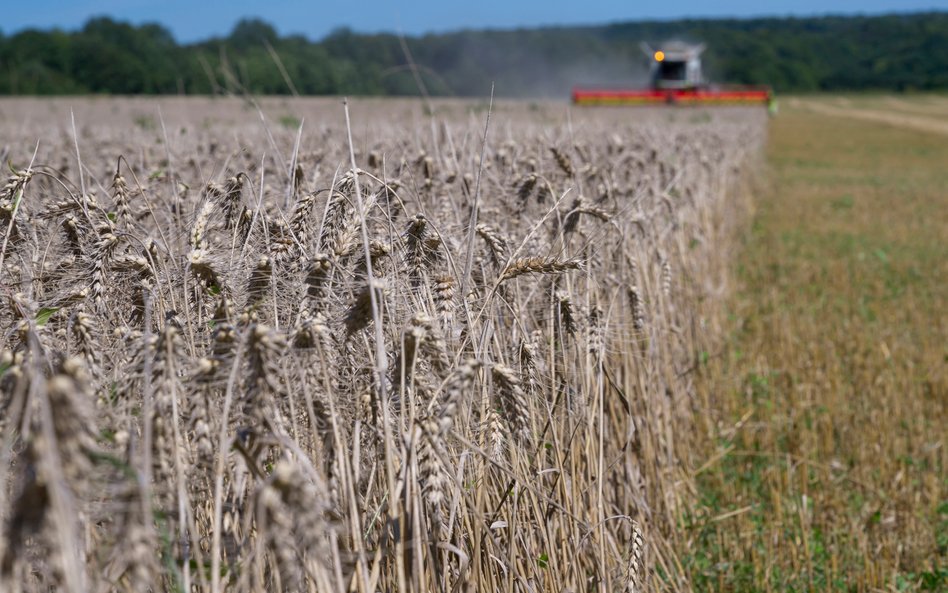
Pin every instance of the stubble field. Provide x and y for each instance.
(824, 466)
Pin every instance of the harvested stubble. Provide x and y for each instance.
(220, 374)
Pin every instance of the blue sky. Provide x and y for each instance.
(196, 19)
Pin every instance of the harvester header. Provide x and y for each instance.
(676, 78)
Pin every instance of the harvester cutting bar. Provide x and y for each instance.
(718, 96)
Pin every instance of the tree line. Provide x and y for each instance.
(901, 52)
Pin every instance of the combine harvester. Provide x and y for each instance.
(677, 79)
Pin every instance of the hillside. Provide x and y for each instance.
(893, 52)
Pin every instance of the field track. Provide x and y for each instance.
(893, 112)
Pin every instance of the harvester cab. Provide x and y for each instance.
(676, 79)
(676, 65)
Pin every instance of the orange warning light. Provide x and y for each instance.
(659, 56)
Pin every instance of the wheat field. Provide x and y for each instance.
(283, 346)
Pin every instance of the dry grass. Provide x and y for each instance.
(233, 361)
(825, 466)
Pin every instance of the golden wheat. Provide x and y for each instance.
(294, 380)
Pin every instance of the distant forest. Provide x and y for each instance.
(904, 52)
